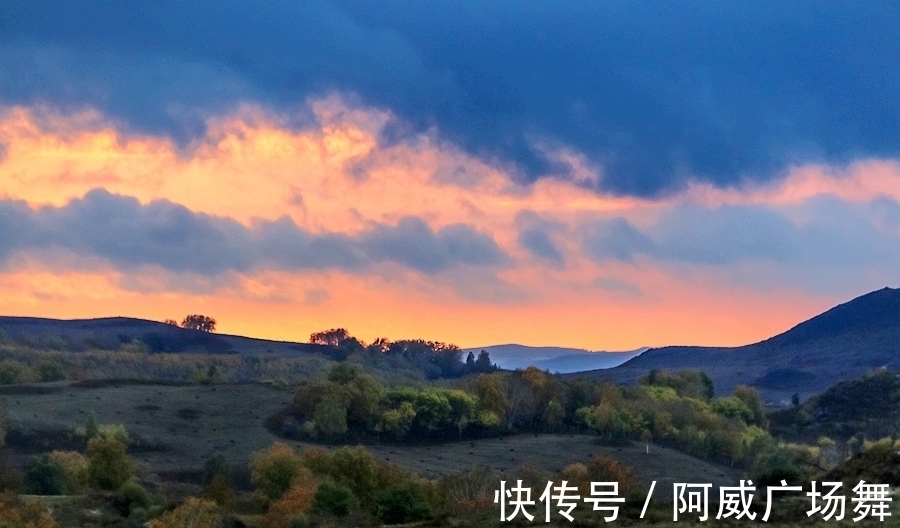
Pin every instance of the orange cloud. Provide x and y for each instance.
(337, 178)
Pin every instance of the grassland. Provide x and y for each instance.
(176, 427)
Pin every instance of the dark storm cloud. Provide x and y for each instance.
(616, 239)
(535, 237)
(832, 234)
(128, 234)
(412, 243)
(653, 93)
(537, 242)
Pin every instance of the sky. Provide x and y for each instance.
(601, 175)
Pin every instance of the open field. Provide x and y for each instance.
(178, 427)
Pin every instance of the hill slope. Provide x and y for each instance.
(842, 343)
(109, 333)
(866, 406)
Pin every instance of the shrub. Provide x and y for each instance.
(330, 416)
(91, 426)
(17, 513)
(74, 466)
(401, 503)
(358, 470)
(470, 490)
(214, 466)
(135, 495)
(193, 513)
(10, 477)
(116, 431)
(45, 477)
(293, 505)
(9, 371)
(49, 371)
(109, 466)
(333, 499)
(273, 469)
(532, 474)
(220, 491)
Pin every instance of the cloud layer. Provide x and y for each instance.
(652, 99)
(129, 235)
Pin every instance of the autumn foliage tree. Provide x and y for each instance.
(15, 512)
(109, 466)
(193, 513)
(296, 502)
(272, 470)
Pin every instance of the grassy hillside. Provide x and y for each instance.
(110, 333)
(840, 344)
(176, 427)
(867, 407)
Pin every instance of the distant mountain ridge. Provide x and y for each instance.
(839, 344)
(554, 359)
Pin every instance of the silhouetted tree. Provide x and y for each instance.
(172, 322)
(332, 337)
(381, 345)
(483, 363)
(199, 322)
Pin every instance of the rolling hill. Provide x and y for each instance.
(109, 333)
(839, 344)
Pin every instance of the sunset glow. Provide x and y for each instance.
(285, 212)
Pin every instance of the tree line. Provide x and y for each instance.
(673, 409)
(435, 359)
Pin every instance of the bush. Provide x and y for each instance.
(91, 426)
(9, 371)
(135, 495)
(214, 466)
(330, 417)
(16, 513)
(10, 477)
(220, 491)
(401, 503)
(49, 371)
(273, 469)
(75, 469)
(116, 431)
(109, 466)
(333, 499)
(45, 477)
(358, 470)
(775, 467)
(470, 490)
(293, 505)
(602, 468)
(193, 513)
